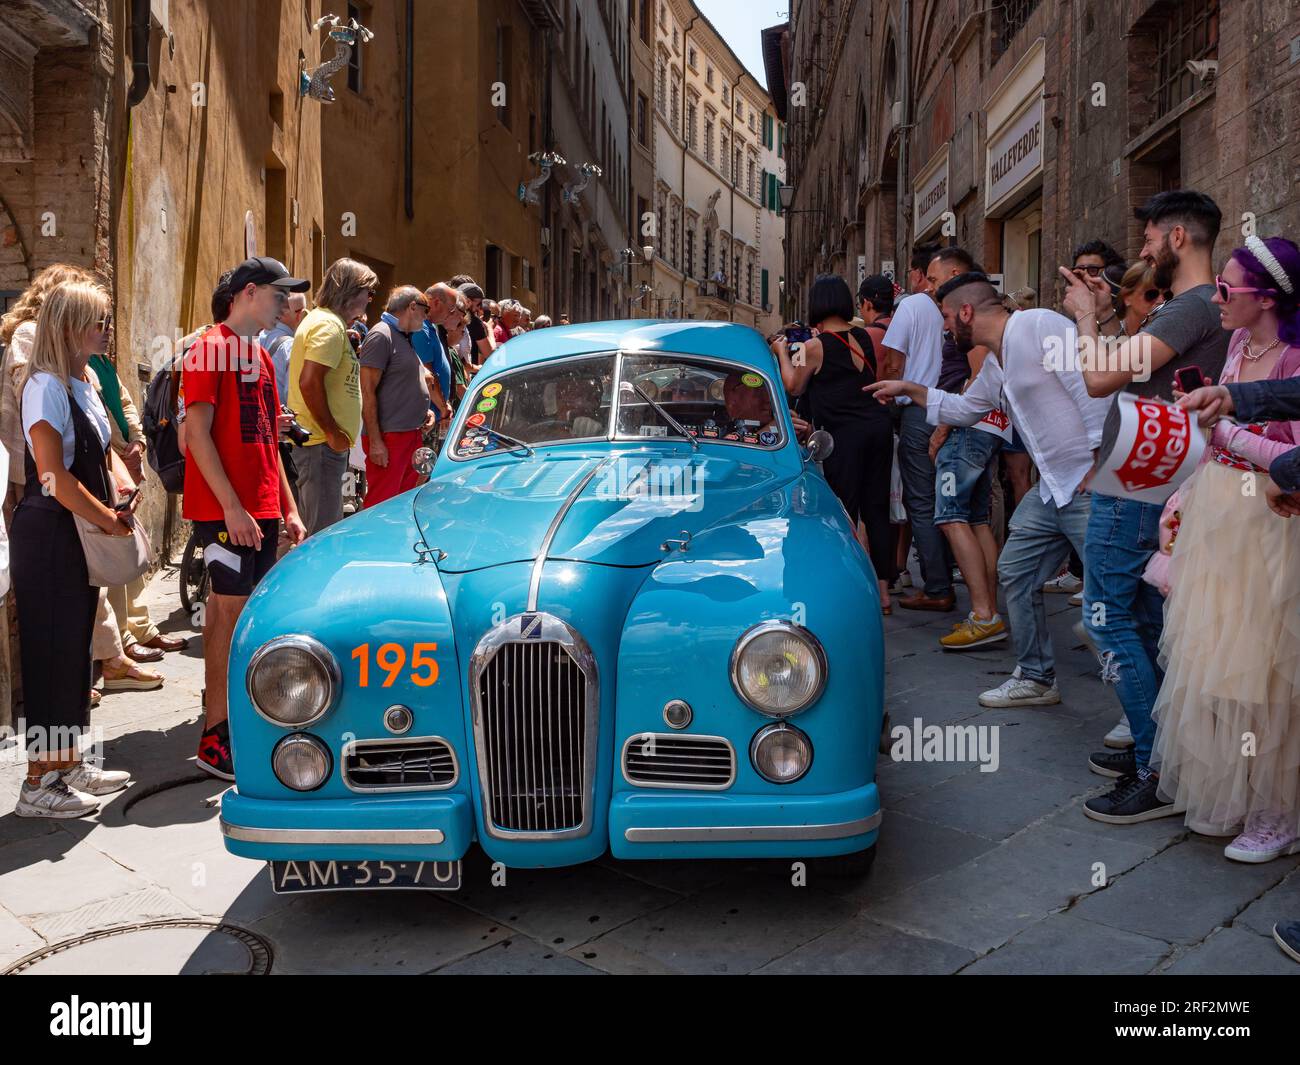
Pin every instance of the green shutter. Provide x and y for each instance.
(764, 288)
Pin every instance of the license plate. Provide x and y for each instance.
(288, 878)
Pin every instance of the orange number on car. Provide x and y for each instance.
(419, 660)
(363, 653)
(384, 658)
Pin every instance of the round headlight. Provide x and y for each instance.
(301, 762)
(778, 668)
(781, 753)
(292, 680)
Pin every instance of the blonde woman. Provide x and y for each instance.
(67, 436)
(325, 390)
(17, 329)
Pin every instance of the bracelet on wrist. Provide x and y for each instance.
(1085, 314)
(1107, 320)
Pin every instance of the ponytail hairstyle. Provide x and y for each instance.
(1268, 263)
(67, 312)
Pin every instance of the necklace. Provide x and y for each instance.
(1250, 356)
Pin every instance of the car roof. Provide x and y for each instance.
(723, 340)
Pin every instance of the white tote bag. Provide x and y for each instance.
(4, 535)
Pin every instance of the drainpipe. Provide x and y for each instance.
(905, 71)
(681, 211)
(139, 52)
(552, 280)
(735, 179)
(408, 107)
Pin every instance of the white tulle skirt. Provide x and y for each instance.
(1228, 714)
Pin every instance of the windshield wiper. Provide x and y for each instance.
(695, 444)
(509, 439)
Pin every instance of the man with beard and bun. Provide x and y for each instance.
(1061, 426)
(1122, 613)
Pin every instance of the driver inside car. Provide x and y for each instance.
(577, 402)
(749, 407)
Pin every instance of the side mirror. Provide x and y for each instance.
(820, 445)
(422, 461)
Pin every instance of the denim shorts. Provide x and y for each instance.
(963, 477)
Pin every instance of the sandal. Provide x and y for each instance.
(132, 679)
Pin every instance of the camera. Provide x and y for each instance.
(296, 431)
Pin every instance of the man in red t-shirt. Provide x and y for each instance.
(236, 490)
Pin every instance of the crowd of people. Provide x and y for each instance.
(956, 436)
(270, 402)
(948, 401)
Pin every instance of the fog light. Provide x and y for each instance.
(398, 719)
(677, 713)
(781, 753)
(301, 762)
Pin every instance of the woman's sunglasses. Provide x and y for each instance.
(1226, 290)
(104, 324)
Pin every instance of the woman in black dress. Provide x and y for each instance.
(833, 368)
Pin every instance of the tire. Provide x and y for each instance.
(193, 576)
(844, 866)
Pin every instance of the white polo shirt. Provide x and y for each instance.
(917, 331)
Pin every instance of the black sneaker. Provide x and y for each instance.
(1134, 799)
(214, 752)
(1113, 763)
(1287, 936)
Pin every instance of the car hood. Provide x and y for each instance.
(611, 508)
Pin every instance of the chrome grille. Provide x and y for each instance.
(400, 765)
(535, 751)
(677, 760)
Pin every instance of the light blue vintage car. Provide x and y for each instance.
(625, 613)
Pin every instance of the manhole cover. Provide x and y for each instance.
(154, 948)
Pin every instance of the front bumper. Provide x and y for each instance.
(641, 825)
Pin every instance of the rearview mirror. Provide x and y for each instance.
(820, 445)
(422, 461)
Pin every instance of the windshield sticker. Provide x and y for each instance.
(486, 405)
(493, 389)
(475, 419)
(767, 437)
(654, 430)
(752, 380)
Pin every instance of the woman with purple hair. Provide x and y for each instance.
(1228, 713)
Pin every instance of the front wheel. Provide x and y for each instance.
(845, 866)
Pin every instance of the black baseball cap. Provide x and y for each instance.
(263, 270)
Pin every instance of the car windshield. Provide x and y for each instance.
(570, 399)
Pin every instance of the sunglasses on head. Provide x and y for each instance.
(1226, 290)
(421, 303)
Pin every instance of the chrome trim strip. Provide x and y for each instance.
(753, 833)
(553, 630)
(535, 581)
(679, 738)
(314, 648)
(399, 741)
(410, 837)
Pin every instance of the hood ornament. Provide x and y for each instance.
(682, 544)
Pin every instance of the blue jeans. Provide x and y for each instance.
(1123, 614)
(917, 471)
(963, 477)
(1041, 537)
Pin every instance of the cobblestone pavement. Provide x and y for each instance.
(977, 872)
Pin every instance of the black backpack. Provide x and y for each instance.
(159, 422)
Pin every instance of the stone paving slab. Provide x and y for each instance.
(1065, 944)
(863, 946)
(517, 956)
(1234, 950)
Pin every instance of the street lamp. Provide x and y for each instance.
(786, 193)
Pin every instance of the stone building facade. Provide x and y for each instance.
(1020, 130)
(715, 205)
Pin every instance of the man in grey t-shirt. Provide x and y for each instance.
(395, 397)
(1122, 613)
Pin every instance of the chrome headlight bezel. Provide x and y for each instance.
(774, 728)
(316, 650)
(790, 628)
(297, 739)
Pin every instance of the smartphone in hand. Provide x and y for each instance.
(124, 506)
(1190, 378)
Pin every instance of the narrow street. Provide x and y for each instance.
(978, 872)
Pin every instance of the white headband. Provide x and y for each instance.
(1269, 262)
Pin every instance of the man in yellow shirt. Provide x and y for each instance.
(325, 390)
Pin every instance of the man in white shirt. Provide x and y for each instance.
(1034, 379)
(913, 348)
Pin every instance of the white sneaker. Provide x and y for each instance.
(1076, 599)
(90, 778)
(1018, 691)
(1066, 584)
(53, 798)
(904, 581)
(1081, 634)
(1120, 737)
